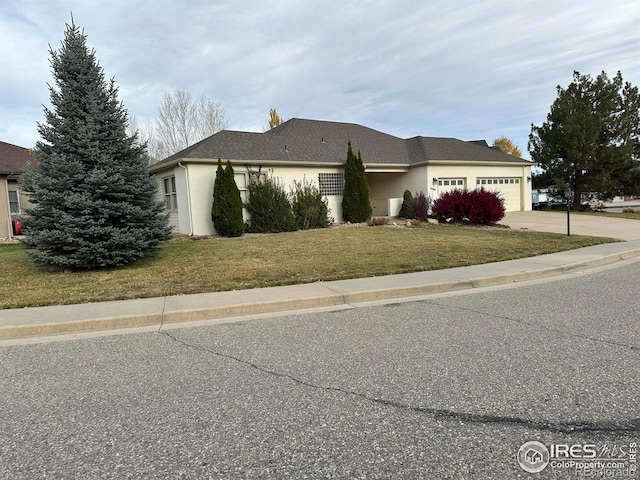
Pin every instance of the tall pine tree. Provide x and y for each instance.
(226, 211)
(355, 196)
(94, 202)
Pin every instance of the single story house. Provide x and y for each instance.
(13, 161)
(317, 151)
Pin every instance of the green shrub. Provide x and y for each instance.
(226, 211)
(406, 211)
(269, 208)
(309, 207)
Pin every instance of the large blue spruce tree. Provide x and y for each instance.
(94, 202)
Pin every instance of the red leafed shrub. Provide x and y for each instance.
(420, 206)
(478, 206)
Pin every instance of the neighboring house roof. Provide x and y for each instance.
(14, 159)
(320, 142)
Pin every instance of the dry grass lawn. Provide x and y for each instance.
(184, 266)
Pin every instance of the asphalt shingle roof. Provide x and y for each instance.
(14, 159)
(315, 141)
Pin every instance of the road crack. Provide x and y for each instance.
(632, 425)
(536, 325)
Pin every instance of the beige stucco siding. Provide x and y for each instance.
(384, 186)
(287, 176)
(194, 210)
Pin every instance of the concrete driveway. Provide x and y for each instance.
(556, 222)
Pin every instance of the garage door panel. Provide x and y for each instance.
(508, 188)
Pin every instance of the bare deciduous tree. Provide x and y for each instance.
(183, 121)
(145, 133)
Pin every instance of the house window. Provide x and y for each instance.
(331, 183)
(241, 183)
(14, 202)
(169, 192)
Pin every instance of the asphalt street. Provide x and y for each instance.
(446, 386)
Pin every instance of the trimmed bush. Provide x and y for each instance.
(269, 208)
(309, 207)
(406, 210)
(226, 211)
(420, 206)
(478, 206)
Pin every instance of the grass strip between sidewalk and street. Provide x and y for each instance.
(185, 266)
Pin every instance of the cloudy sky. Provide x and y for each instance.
(469, 69)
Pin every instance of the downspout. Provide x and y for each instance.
(188, 192)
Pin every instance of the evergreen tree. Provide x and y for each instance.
(94, 201)
(355, 196)
(406, 210)
(226, 212)
(590, 141)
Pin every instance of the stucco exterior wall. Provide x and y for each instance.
(287, 175)
(194, 210)
(384, 186)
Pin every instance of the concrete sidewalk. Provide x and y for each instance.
(28, 322)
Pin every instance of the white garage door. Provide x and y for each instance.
(509, 189)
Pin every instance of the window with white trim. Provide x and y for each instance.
(331, 183)
(241, 183)
(169, 192)
(453, 182)
(14, 202)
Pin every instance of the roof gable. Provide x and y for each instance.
(14, 159)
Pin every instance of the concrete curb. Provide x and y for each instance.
(156, 312)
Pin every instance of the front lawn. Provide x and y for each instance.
(184, 266)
